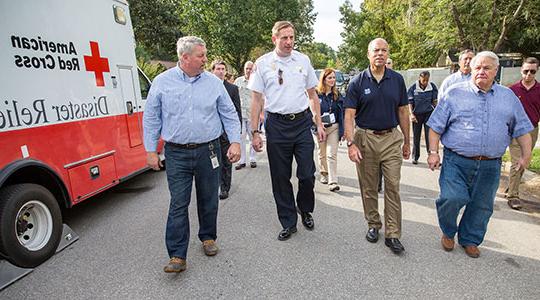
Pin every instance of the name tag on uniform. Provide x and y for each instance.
(367, 91)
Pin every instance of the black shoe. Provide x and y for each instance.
(239, 166)
(415, 161)
(307, 220)
(253, 164)
(223, 195)
(286, 233)
(394, 245)
(372, 235)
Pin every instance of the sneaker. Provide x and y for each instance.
(253, 164)
(175, 265)
(333, 187)
(210, 248)
(415, 161)
(239, 166)
(324, 179)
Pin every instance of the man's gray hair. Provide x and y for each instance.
(247, 63)
(186, 44)
(462, 54)
(488, 54)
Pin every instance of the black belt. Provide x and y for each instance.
(188, 146)
(379, 132)
(290, 117)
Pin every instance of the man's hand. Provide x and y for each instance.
(321, 133)
(152, 160)
(413, 118)
(406, 149)
(234, 152)
(257, 142)
(523, 163)
(354, 154)
(434, 161)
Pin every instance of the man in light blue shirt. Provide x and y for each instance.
(475, 122)
(462, 75)
(187, 106)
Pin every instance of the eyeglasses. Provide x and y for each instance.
(525, 72)
(280, 76)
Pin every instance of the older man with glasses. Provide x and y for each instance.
(528, 92)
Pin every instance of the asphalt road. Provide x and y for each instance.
(121, 250)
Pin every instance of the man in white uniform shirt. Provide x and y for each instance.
(288, 81)
(245, 103)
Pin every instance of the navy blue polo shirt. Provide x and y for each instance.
(376, 103)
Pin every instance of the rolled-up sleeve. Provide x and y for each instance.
(152, 121)
(522, 123)
(439, 118)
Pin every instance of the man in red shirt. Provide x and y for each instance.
(528, 92)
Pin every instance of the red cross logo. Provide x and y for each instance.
(96, 64)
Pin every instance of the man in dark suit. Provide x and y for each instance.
(219, 69)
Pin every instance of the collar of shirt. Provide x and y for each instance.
(428, 88)
(478, 91)
(286, 59)
(535, 86)
(386, 74)
(185, 77)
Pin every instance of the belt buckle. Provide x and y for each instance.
(292, 117)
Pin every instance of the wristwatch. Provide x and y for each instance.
(434, 152)
(253, 131)
(350, 143)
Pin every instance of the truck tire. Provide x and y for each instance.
(30, 224)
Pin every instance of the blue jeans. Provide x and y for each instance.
(182, 166)
(469, 183)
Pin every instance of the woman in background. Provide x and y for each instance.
(332, 118)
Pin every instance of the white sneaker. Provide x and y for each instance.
(324, 179)
(333, 187)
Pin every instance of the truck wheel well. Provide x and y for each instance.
(43, 176)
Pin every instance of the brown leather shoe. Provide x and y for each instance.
(175, 265)
(472, 251)
(210, 248)
(514, 203)
(447, 243)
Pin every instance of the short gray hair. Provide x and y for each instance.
(187, 43)
(247, 63)
(462, 53)
(488, 54)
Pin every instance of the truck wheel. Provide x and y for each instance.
(30, 224)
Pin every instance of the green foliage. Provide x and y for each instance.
(420, 31)
(321, 55)
(157, 27)
(151, 70)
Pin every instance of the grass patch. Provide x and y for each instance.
(535, 160)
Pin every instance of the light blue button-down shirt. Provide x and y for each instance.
(454, 78)
(185, 110)
(297, 76)
(473, 123)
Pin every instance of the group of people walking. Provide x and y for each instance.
(195, 112)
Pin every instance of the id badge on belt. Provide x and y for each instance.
(328, 118)
(213, 157)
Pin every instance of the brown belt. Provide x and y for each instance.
(379, 132)
(481, 157)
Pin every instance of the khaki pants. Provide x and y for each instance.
(384, 151)
(515, 176)
(328, 153)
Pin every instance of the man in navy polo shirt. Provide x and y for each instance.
(378, 98)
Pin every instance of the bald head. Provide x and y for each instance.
(377, 53)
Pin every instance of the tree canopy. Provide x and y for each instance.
(419, 31)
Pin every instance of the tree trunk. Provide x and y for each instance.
(463, 41)
(507, 22)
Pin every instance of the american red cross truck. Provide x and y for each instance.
(71, 103)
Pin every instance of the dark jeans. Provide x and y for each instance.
(417, 133)
(226, 166)
(182, 166)
(469, 183)
(287, 139)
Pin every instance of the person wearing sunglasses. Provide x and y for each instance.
(528, 92)
(288, 81)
